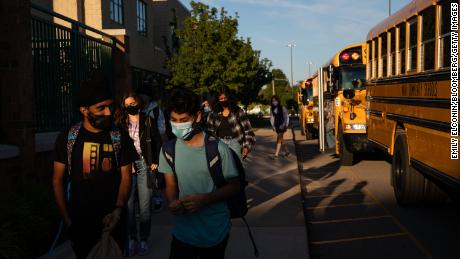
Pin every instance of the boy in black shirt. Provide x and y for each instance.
(99, 171)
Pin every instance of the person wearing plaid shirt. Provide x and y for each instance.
(230, 123)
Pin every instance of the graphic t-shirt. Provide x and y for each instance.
(211, 224)
(95, 178)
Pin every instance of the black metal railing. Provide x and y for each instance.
(63, 57)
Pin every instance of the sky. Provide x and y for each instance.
(318, 28)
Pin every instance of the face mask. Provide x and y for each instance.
(102, 122)
(275, 103)
(182, 130)
(224, 103)
(133, 110)
(206, 109)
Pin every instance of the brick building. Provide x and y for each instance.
(141, 34)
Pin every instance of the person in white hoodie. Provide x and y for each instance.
(279, 118)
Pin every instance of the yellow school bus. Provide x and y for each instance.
(347, 73)
(307, 108)
(408, 90)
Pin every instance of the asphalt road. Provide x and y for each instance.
(351, 212)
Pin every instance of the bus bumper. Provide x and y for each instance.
(357, 142)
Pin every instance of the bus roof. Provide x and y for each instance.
(335, 59)
(411, 9)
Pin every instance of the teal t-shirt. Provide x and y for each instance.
(210, 225)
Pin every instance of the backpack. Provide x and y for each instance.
(237, 204)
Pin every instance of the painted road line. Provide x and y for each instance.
(358, 239)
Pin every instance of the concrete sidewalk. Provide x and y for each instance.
(275, 216)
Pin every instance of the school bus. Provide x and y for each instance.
(408, 90)
(308, 108)
(347, 72)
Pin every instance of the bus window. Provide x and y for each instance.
(444, 39)
(392, 58)
(369, 60)
(374, 60)
(349, 74)
(402, 49)
(383, 52)
(413, 38)
(428, 38)
(375, 67)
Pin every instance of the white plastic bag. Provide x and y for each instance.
(106, 248)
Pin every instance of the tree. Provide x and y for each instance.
(211, 55)
(282, 89)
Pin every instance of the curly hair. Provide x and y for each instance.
(184, 100)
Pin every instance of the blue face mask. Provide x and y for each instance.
(181, 130)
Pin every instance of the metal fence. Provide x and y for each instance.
(64, 57)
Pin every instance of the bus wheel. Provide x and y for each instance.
(408, 182)
(346, 157)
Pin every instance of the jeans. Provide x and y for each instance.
(181, 250)
(143, 194)
(234, 145)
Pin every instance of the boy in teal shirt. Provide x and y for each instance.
(202, 218)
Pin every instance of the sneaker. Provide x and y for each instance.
(144, 248)
(132, 248)
(274, 157)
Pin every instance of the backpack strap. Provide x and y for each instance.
(169, 152)
(115, 136)
(71, 139)
(211, 144)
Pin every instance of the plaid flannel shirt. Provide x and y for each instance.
(241, 126)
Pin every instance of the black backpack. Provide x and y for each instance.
(237, 204)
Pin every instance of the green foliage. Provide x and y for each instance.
(282, 89)
(211, 55)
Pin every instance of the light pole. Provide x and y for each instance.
(309, 63)
(290, 46)
(389, 7)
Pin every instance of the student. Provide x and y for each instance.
(202, 223)
(97, 160)
(279, 119)
(147, 141)
(230, 123)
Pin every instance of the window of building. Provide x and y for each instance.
(413, 39)
(116, 11)
(369, 61)
(384, 54)
(141, 18)
(402, 49)
(392, 50)
(444, 35)
(428, 38)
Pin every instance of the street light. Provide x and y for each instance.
(290, 46)
(309, 63)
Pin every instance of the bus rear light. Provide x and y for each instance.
(345, 56)
(355, 56)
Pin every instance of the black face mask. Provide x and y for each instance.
(224, 104)
(102, 122)
(133, 110)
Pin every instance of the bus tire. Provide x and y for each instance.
(346, 157)
(409, 184)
